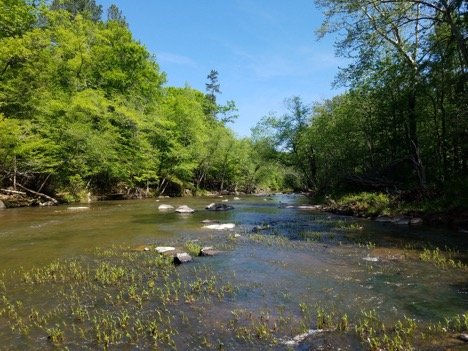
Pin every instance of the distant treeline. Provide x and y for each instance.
(84, 108)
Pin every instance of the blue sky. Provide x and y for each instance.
(264, 50)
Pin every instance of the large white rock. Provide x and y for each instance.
(184, 209)
(220, 226)
(164, 249)
(164, 207)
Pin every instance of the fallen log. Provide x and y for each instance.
(38, 194)
(14, 192)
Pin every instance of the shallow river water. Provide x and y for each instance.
(271, 284)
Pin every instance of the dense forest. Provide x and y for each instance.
(84, 109)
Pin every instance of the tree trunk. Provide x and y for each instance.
(15, 170)
(415, 153)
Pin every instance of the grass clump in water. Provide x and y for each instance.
(193, 248)
(440, 259)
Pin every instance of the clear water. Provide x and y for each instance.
(270, 277)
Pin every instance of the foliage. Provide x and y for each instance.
(83, 108)
(368, 204)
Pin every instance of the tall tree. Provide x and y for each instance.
(115, 14)
(87, 8)
(374, 31)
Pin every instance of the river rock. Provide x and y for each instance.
(210, 221)
(309, 207)
(370, 259)
(219, 207)
(259, 228)
(415, 221)
(463, 337)
(301, 337)
(184, 209)
(164, 249)
(384, 219)
(236, 198)
(182, 257)
(209, 251)
(2, 205)
(220, 226)
(164, 207)
(401, 220)
(78, 208)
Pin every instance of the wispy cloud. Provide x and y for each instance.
(168, 57)
(257, 11)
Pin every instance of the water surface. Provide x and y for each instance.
(302, 256)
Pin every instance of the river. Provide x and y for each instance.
(269, 285)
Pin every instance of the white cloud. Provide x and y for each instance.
(168, 57)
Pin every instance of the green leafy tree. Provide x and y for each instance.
(87, 8)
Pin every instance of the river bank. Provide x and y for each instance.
(386, 208)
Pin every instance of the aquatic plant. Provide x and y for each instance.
(193, 248)
(440, 259)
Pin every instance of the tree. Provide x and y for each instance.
(87, 8)
(212, 87)
(374, 30)
(115, 14)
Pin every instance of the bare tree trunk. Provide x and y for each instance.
(415, 152)
(15, 170)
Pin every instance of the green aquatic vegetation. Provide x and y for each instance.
(193, 248)
(401, 336)
(108, 274)
(325, 320)
(55, 335)
(271, 240)
(368, 245)
(441, 259)
(311, 236)
(57, 272)
(343, 225)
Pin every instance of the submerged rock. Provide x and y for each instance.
(164, 207)
(184, 209)
(220, 226)
(219, 207)
(370, 259)
(209, 221)
(301, 337)
(2, 205)
(78, 208)
(400, 220)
